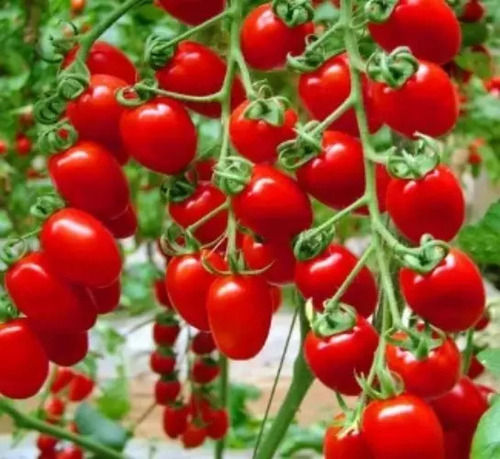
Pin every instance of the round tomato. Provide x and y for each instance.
(428, 27)
(193, 436)
(323, 90)
(80, 387)
(166, 391)
(159, 135)
(162, 361)
(46, 443)
(80, 248)
(204, 370)
(23, 145)
(182, 74)
(403, 427)
(4, 147)
(336, 360)
(23, 363)
(175, 420)
(61, 379)
(193, 12)
(217, 424)
(266, 40)
(203, 343)
(239, 312)
(351, 445)
(451, 296)
(473, 11)
(165, 334)
(320, 277)
(64, 349)
(125, 225)
(106, 299)
(54, 409)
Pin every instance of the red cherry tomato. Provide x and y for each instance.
(187, 285)
(203, 343)
(266, 40)
(457, 444)
(4, 147)
(77, 6)
(161, 294)
(204, 169)
(325, 89)
(193, 436)
(428, 27)
(125, 225)
(260, 205)
(204, 199)
(192, 12)
(165, 334)
(162, 361)
(49, 302)
(80, 387)
(348, 446)
(429, 377)
(62, 378)
(239, 311)
(476, 368)
(64, 349)
(80, 248)
(159, 135)
(23, 363)
(175, 420)
(46, 444)
(90, 179)
(484, 321)
(204, 370)
(320, 277)
(336, 360)
(182, 74)
(23, 145)
(106, 299)
(70, 452)
(426, 103)
(451, 297)
(217, 424)
(54, 409)
(434, 204)
(166, 391)
(403, 427)
(473, 11)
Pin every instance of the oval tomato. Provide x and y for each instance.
(175, 420)
(61, 379)
(64, 349)
(239, 312)
(351, 445)
(166, 391)
(159, 135)
(106, 299)
(217, 424)
(276, 297)
(23, 145)
(451, 297)
(193, 12)
(162, 361)
(203, 343)
(80, 387)
(125, 225)
(204, 370)
(434, 204)
(193, 436)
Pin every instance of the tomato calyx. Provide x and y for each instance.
(270, 109)
(158, 51)
(7, 309)
(425, 258)
(420, 341)
(137, 94)
(310, 243)
(177, 189)
(293, 12)
(336, 318)
(175, 240)
(46, 205)
(393, 69)
(293, 154)
(57, 137)
(166, 318)
(233, 174)
(379, 10)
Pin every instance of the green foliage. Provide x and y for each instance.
(114, 401)
(137, 291)
(486, 443)
(490, 358)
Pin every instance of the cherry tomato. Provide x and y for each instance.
(403, 427)
(70, 452)
(106, 299)
(49, 302)
(77, 6)
(434, 204)
(166, 391)
(193, 436)
(320, 277)
(336, 360)
(476, 368)
(203, 343)
(428, 377)
(159, 135)
(193, 12)
(239, 312)
(80, 248)
(473, 11)
(493, 86)
(46, 444)
(451, 297)
(351, 445)
(217, 424)
(64, 349)
(125, 225)
(161, 294)
(260, 205)
(428, 27)
(276, 297)
(23, 145)
(457, 444)
(187, 284)
(4, 146)
(427, 103)
(204, 370)
(165, 334)
(80, 387)
(266, 40)
(204, 199)
(54, 409)
(61, 379)
(182, 74)
(23, 363)
(175, 420)
(204, 169)
(162, 361)
(325, 89)
(484, 321)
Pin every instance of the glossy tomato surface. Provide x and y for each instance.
(106, 299)
(340, 445)
(125, 225)
(64, 349)
(193, 12)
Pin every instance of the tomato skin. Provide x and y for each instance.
(203, 343)
(432, 97)
(175, 420)
(217, 424)
(46, 444)
(159, 135)
(90, 179)
(350, 446)
(125, 225)
(204, 372)
(54, 409)
(165, 335)
(166, 391)
(320, 277)
(428, 27)
(326, 88)
(277, 255)
(62, 378)
(457, 444)
(80, 248)
(266, 40)
(476, 368)
(23, 363)
(106, 299)
(4, 147)
(187, 284)
(70, 452)
(162, 361)
(64, 349)
(80, 387)
(259, 206)
(50, 303)
(193, 436)
(161, 294)
(182, 74)
(23, 145)
(239, 312)
(430, 377)
(451, 297)
(205, 198)
(337, 359)
(193, 12)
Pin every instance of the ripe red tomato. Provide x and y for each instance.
(336, 360)
(165, 334)
(159, 135)
(429, 377)
(54, 409)
(193, 436)
(49, 302)
(77, 6)
(193, 12)
(175, 420)
(204, 199)
(434, 204)
(80, 248)
(70, 452)
(46, 444)
(64, 349)
(204, 370)
(457, 444)
(217, 424)
(203, 170)
(484, 321)
(23, 363)
(277, 255)
(23, 145)
(239, 312)
(187, 284)
(244, 131)
(473, 11)
(90, 179)
(325, 89)
(451, 297)
(80, 387)
(428, 27)
(104, 58)
(161, 294)
(4, 146)
(266, 40)
(349, 446)
(182, 72)
(203, 343)
(427, 103)
(106, 299)
(320, 277)
(476, 368)
(62, 378)
(166, 391)
(260, 205)
(125, 225)
(276, 297)
(162, 361)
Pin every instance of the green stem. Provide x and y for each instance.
(223, 393)
(336, 114)
(468, 351)
(207, 217)
(216, 96)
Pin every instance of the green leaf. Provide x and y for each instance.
(114, 402)
(490, 358)
(110, 338)
(486, 442)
